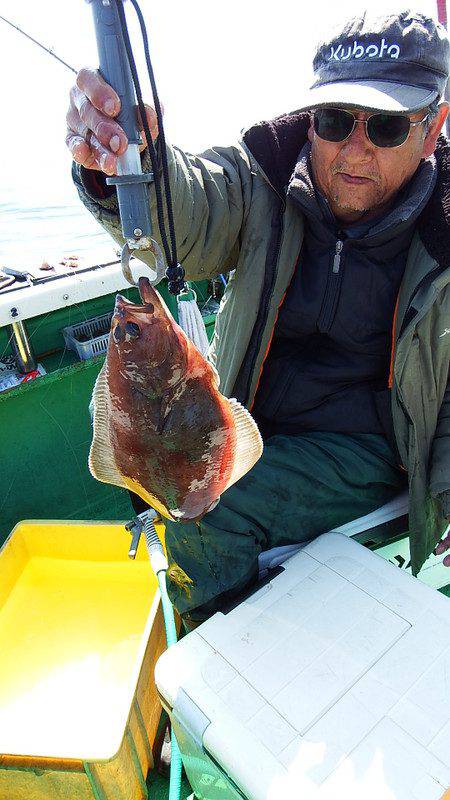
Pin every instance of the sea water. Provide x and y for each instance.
(38, 224)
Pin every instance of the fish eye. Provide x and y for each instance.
(118, 334)
(132, 330)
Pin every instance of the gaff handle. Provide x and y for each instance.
(131, 185)
(114, 65)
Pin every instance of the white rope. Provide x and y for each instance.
(192, 323)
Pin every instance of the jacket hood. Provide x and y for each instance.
(276, 144)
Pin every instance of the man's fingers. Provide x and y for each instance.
(76, 124)
(80, 150)
(105, 160)
(102, 96)
(442, 546)
(94, 138)
(446, 561)
(92, 155)
(108, 132)
(152, 122)
(86, 148)
(78, 139)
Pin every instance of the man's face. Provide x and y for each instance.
(359, 179)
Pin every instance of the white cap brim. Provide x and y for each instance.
(371, 95)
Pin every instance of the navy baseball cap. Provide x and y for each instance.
(397, 63)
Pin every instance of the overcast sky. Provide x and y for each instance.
(219, 66)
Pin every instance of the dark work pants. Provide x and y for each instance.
(302, 486)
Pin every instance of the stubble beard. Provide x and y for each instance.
(352, 204)
(348, 201)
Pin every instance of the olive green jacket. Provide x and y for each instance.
(233, 212)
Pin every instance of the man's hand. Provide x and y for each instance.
(93, 137)
(442, 547)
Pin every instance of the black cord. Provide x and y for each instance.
(159, 117)
(175, 272)
(150, 145)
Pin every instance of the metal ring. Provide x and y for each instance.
(160, 267)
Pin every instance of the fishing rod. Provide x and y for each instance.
(42, 46)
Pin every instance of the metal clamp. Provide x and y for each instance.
(154, 248)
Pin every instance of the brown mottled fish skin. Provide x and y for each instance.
(173, 435)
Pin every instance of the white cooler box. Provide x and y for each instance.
(330, 681)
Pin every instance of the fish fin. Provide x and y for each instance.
(102, 463)
(213, 505)
(249, 444)
(101, 456)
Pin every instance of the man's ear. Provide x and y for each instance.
(311, 128)
(429, 143)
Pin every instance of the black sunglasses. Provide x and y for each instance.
(383, 130)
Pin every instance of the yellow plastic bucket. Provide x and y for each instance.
(81, 628)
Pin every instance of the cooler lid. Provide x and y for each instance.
(332, 678)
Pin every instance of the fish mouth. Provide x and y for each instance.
(146, 291)
(124, 306)
(148, 296)
(129, 320)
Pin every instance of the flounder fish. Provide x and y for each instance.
(161, 427)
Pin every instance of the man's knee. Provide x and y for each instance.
(207, 569)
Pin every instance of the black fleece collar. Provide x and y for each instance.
(276, 145)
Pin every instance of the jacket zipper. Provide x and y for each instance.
(337, 256)
(328, 310)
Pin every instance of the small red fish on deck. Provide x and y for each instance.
(161, 427)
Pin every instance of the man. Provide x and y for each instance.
(335, 325)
